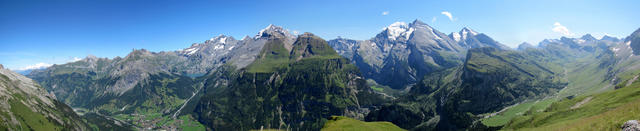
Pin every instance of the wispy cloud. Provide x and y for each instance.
(433, 19)
(559, 28)
(448, 14)
(74, 59)
(385, 13)
(36, 66)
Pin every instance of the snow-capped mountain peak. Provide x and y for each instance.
(463, 34)
(273, 30)
(218, 39)
(456, 36)
(223, 40)
(399, 29)
(466, 31)
(268, 28)
(216, 43)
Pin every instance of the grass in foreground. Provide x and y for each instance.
(605, 111)
(341, 123)
(504, 117)
(518, 110)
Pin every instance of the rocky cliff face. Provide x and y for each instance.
(489, 80)
(273, 69)
(78, 82)
(403, 53)
(285, 88)
(634, 42)
(27, 106)
(150, 83)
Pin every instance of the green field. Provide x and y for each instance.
(584, 78)
(518, 110)
(605, 111)
(504, 117)
(341, 123)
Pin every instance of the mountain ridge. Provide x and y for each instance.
(284, 81)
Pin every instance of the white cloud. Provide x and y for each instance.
(448, 14)
(36, 66)
(559, 28)
(74, 59)
(385, 12)
(433, 19)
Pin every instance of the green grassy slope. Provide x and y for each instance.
(602, 111)
(273, 56)
(341, 123)
(586, 72)
(495, 79)
(490, 80)
(26, 106)
(281, 92)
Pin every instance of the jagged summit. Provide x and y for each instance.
(634, 42)
(463, 34)
(273, 30)
(398, 29)
(467, 30)
(246, 37)
(588, 37)
(610, 38)
(219, 39)
(418, 22)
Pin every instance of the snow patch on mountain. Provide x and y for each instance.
(466, 31)
(433, 32)
(223, 40)
(272, 30)
(614, 49)
(396, 29)
(456, 36)
(217, 47)
(190, 51)
(271, 26)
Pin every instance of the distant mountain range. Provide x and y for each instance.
(402, 53)
(410, 74)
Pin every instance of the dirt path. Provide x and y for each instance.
(175, 115)
(577, 105)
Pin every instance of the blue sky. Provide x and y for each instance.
(59, 31)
